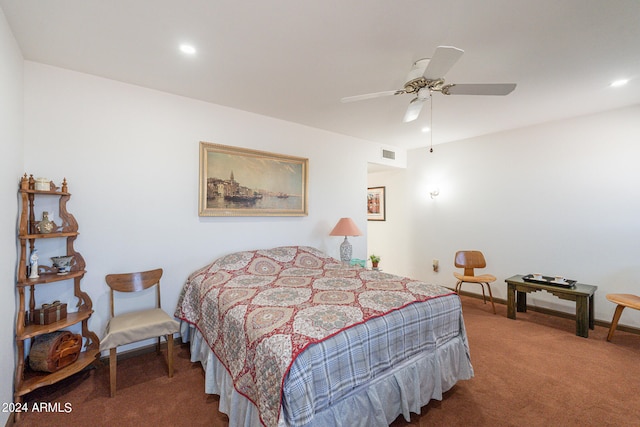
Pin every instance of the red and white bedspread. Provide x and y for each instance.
(258, 310)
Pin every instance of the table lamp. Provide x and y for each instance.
(345, 227)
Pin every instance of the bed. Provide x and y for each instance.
(290, 336)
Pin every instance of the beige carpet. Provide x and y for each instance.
(532, 371)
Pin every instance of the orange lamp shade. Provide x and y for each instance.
(345, 227)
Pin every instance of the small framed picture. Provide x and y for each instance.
(376, 204)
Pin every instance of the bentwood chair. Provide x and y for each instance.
(470, 260)
(138, 325)
(623, 300)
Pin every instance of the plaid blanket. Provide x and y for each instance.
(331, 369)
(258, 311)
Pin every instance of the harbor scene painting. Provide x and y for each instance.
(242, 182)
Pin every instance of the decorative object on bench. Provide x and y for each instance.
(550, 280)
(470, 260)
(53, 351)
(623, 300)
(138, 325)
(49, 313)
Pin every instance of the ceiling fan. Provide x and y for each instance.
(427, 75)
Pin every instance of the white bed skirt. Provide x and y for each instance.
(404, 389)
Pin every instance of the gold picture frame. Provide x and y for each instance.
(243, 182)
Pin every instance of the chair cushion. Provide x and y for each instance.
(483, 278)
(140, 325)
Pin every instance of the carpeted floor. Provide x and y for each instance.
(533, 371)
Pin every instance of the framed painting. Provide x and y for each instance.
(242, 182)
(376, 210)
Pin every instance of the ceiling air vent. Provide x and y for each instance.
(387, 154)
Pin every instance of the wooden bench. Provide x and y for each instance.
(623, 300)
(517, 290)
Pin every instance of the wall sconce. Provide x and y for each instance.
(434, 192)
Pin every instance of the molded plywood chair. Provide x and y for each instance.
(470, 260)
(138, 325)
(623, 300)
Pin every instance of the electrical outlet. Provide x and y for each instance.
(436, 265)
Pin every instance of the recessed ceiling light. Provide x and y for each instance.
(619, 83)
(426, 129)
(188, 49)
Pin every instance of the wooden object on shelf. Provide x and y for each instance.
(52, 352)
(48, 313)
(26, 380)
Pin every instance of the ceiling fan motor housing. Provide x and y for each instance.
(415, 85)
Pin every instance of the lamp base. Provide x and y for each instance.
(345, 250)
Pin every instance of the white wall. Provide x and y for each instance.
(130, 156)
(389, 238)
(560, 198)
(11, 160)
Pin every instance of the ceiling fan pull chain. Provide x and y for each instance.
(431, 123)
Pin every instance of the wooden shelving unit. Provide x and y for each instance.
(25, 380)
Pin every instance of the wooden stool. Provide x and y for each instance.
(623, 300)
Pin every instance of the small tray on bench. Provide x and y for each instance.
(550, 281)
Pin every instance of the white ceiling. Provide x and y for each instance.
(295, 59)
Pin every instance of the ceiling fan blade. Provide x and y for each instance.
(500, 89)
(413, 111)
(371, 95)
(418, 69)
(442, 61)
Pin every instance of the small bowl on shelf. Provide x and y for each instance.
(62, 263)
